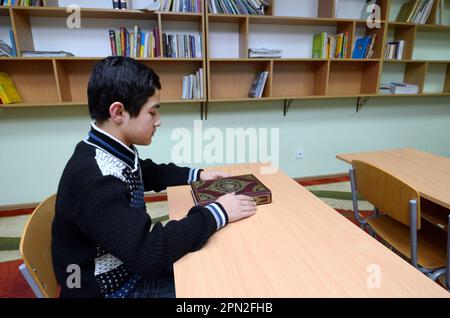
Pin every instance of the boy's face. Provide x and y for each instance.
(140, 130)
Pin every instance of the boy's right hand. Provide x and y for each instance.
(237, 206)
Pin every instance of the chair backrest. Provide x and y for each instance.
(35, 247)
(387, 193)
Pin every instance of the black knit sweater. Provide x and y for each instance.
(102, 226)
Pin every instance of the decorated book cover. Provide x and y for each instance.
(205, 192)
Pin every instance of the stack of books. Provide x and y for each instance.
(329, 46)
(250, 7)
(415, 11)
(364, 47)
(182, 46)
(258, 84)
(181, 6)
(135, 44)
(394, 50)
(399, 88)
(193, 85)
(22, 3)
(264, 53)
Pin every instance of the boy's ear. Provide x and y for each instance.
(117, 112)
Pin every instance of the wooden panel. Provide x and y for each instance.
(326, 9)
(22, 32)
(234, 79)
(415, 73)
(385, 7)
(432, 17)
(101, 13)
(386, 192)
(299, 78)
(171, 76)
(243, 38)
(270, 8)
(32, 88)
(408, 34)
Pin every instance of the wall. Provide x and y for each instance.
(36, 143)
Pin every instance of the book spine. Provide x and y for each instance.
(116, 4)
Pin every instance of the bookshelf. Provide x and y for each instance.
(63, 81)
(288, 25)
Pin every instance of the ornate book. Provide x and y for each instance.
(205, 192)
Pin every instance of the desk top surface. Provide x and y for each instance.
(297, 246)
(428, 173)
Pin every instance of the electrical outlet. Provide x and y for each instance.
(300, 154)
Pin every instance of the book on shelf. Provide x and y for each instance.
(136, 43)
(264, 53)
(415, 11)
(403, 88)
(193, 86)
(8, 91)
(364, 47)
(258, 84)
(182, 46)
(246, 7)
(193, 6)
(385, 89)
(206, 192)
(46, 54)
(394, 50)
(22, 3)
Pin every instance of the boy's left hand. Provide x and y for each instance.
(212, 175)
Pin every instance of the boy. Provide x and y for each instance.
(101, 224)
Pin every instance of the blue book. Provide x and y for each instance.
(361, 45)
(13, 43)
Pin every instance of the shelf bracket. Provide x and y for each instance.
(286, 104)
(360, 102)
(203, 110)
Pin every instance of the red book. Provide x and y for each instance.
(205, 192)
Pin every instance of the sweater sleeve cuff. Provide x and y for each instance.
(194, 175)
(219, 213)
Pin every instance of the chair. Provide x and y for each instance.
(397, 219)
(35, 248)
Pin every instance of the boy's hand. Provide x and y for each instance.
(212, 175)
(237, 206)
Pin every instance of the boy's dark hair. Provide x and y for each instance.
(120, 79)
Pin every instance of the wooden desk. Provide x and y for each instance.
(428, 173)
(295, 247)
